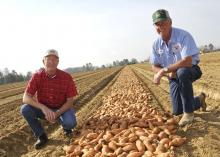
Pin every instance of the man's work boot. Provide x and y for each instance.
(41, 141)
(187, 118)
(69, 135)
(202, 97)
(68, 132)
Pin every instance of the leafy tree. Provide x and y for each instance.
(6, 71)
(89, 67)
(116, 63)
(103, 66)
(125, 61)
(28, 76)
(211, 47)
(133, 61)
(9, 77)
(1, 78)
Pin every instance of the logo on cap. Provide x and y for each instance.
(160, 15)
(157, 15)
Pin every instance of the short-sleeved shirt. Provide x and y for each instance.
(180, 45)
(52, 91)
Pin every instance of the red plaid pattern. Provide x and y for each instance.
(52, 91)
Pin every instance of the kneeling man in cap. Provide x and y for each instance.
(54, 90)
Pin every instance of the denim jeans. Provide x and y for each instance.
(32, 116)
(181, 90)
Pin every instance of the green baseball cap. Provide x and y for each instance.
(160, 15)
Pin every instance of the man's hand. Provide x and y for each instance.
(158, 76)
(172, 75)
(49, 114)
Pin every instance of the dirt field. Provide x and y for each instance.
(203, 136)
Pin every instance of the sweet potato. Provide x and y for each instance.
(129, 147)
(171, 121)
(156, 130)
(135, 154)
(98, 147)
(162, 135)
(177, 142)
(90, 153)
(165, 141)
(69, 149)
(92, 136)
(112, 145)
(149, 146)
(118, 151)
(140, 146)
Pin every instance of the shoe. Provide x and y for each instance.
(202, 98)
(187, 118)
(41, 141)
(69, 134)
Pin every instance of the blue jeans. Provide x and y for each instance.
(181, 90)
(32, 116)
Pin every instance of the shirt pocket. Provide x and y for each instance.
(163, 59)
(178, 56)
(176, 50)
(62, 90)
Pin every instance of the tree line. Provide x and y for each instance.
(7, 76)
(208, 48)
(91, 67)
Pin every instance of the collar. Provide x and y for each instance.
(162, 42)
(53, 76)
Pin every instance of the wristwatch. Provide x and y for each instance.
(58, 111)
(165, 69)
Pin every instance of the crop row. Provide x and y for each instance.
(11, 106)
(127, 125)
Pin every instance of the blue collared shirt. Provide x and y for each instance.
(180, 45)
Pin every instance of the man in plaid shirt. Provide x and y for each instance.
(54, 90)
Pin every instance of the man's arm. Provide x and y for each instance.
(28, 99)
(156, 68)
(185, 62)
(67, 105)
(160, 72)
(49, 114)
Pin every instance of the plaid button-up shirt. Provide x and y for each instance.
(52, 91)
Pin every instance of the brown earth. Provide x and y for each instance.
(16, 137)
(203, 136)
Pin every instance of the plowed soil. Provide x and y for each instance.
(203, 136)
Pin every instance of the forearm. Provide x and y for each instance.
(67, 105)
(184, 63)
(27, 99)
(160, 72)
(156, 68)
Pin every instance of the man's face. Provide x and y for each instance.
(51, 62)
(163, 28)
